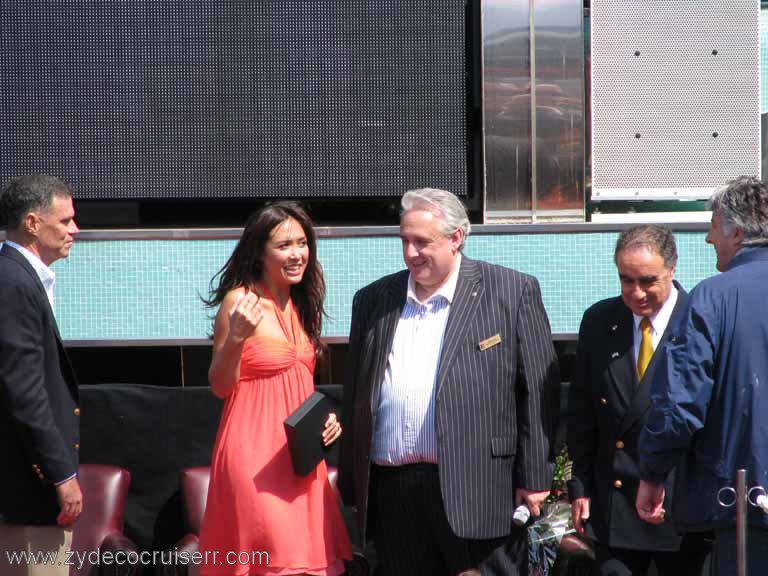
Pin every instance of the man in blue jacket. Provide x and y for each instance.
(709, 404)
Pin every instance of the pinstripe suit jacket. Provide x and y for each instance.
(495, 409)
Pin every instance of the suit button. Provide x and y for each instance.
(617, 484)
(77, 411)
(77, 446)
(604, 401)
(620, 445)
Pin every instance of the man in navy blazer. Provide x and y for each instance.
(40, 495)
(710, 402)
(608, 402)
(450, 401)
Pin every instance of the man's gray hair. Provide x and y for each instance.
(27, 194)
(743, 204)
(453, 214)
(655, 237)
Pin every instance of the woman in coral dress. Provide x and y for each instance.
(261, 518)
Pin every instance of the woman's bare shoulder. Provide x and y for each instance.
(232, 296)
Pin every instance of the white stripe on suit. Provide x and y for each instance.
(496, 409)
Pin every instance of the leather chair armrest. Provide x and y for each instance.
(118, 547)
(333, 480)
(575, 545)
(188, 544)
(358, 566)
(174, 565)
(575, 557)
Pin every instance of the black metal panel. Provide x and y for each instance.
(205, 99)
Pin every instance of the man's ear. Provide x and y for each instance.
(31, 223)
(738, 236)
(457, 238)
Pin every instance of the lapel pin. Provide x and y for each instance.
(615, 355)
(614, 327)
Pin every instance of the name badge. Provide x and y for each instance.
(490, 342)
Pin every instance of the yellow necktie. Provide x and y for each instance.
(646, 348)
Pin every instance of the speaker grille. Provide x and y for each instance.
(675, 96)
(207, 99)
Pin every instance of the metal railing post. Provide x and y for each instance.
(741, 522)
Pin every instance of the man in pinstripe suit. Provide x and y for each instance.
(450, 401)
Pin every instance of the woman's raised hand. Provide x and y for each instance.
(245, 315)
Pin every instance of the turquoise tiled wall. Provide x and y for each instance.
(149, 289)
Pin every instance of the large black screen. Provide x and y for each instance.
(137, 99)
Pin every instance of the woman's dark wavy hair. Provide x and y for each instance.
(245, 266)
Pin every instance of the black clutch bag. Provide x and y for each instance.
(304, 429)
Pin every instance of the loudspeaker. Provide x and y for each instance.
(675, 97)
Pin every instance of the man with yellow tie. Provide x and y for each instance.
(608, 401)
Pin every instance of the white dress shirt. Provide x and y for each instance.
(46, 275)
(405, 417)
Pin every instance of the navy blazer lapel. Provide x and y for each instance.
(19, 258)
(622, 366)
(384, 331)
(642, 399)
(469, 289)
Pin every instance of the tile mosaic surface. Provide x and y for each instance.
(150, 289)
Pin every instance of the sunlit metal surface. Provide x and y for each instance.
(506, 105)
(558, 60)
(559, 68)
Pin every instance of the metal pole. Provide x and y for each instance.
(741, 522)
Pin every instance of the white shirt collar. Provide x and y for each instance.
(46, 275)
(447, 290)
(660, 320)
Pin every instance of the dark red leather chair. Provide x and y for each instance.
(100, 526)
(194, 494)
(575, 557)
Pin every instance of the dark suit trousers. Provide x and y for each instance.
(692, 560)
(411, 530)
